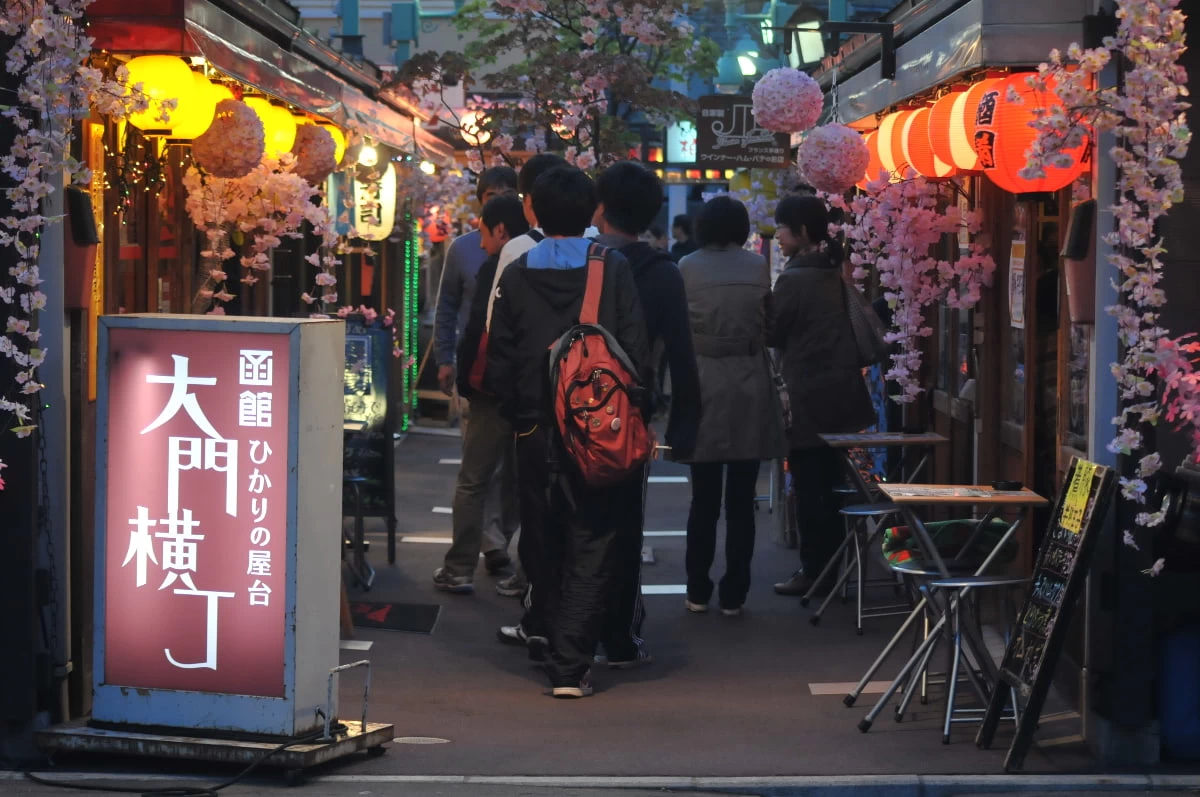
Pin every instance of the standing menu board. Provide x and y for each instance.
(1058, 576)
(369, 424)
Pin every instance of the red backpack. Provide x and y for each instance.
(597, 394)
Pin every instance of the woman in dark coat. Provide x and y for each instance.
(728, 291)
(819, 359)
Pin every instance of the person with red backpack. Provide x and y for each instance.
(566, 352)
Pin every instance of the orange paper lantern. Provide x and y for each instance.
(917, 149)
(952, 126)
(1003, 136)
(891, 143)
(874, 167)
(939, 127)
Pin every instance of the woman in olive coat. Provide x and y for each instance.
(729, 291)
(819, 359)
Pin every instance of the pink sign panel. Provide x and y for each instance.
(196, 518)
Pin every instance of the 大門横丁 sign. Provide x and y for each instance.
(197, 511)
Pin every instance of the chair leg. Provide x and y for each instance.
(952, 690)
(860, 566)
(918, 677)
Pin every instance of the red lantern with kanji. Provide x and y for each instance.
(952, 126)
(1003, 136)
(917, 150)
(874, 167)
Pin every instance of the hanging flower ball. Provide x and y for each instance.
(315, 152)
(787, 100)
(833, 158)
(233, 144)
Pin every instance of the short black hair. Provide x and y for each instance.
(496, 177)
(684, 221)
(505, 209)
(804, 212)
(534, 168)
(632, 196)
(722, 221)
(656, 231)
(564, 201)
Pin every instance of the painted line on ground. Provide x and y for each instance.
(356, 644)
(429, 540)
(677, 533)
(449, 461)
(664, 589)
(667, 480)
(434, 431)
(845, 687)
(443, 510)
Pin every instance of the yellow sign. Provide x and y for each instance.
(1076, 499)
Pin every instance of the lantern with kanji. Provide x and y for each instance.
(1003, 136)
(952, 126)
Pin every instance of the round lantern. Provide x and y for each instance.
(471, 128)
(874, 167)
(339, 140)
(917, 150)
(891, 144)
(952, 126)
(1003, 136)
(163, 77)
(198, 108)
(278, 125)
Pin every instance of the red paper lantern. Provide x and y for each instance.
(891, 143)
(952, 126)
(874, 167)
(1003, 136)
(917, 149)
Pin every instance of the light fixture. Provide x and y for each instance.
(200, 108)
(729, 75)
(471, 128)
(339, 140)
(747, 65)
(767, 31)
(811, 43)
(367, 155)
(746, 46)
(163, 77)
(279, 128)
(428, 167)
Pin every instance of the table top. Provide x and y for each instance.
(883, 439)
(960, 495)
(353, 426)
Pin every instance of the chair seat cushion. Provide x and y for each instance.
(900, 545)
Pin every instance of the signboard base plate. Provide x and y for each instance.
(79, 737)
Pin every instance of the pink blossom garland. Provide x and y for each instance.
(49, 52)
(832, 158)
(787, 100)
(894, 227)
(1157, 374)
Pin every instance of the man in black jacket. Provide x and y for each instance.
(630, 197)
(577, 530)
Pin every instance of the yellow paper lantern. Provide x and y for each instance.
(278, 125)
(339, 140)
(196, 110)
(163, 77)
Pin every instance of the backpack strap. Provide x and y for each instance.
(590, 314)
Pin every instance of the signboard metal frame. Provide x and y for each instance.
(310, 636)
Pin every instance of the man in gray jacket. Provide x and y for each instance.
(457, 290)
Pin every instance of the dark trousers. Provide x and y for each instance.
(740, 480)
(580, 538)
(622, 634)
(815, 472)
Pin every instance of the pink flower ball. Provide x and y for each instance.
(833, 158)
(233, 144)
(315, 153)
(787, 100)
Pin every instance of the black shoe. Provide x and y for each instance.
(581, 689)
(497, 563)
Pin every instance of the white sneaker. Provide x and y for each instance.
(732, 612)
(584, 689)
(696, 608)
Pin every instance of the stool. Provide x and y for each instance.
(959, 664)
(360, 568)
(854, 515)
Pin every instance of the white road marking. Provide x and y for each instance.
(664, 589)
(668, 480)
(443, 510)
(356, 644)
(844, 688)
(449, 461)
(664, 533)
(430, 539)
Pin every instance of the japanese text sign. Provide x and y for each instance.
(728, 137)
(196, 511)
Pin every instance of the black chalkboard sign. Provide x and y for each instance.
(1058, 576)
(368, 452)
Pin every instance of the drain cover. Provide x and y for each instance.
(420, 740)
